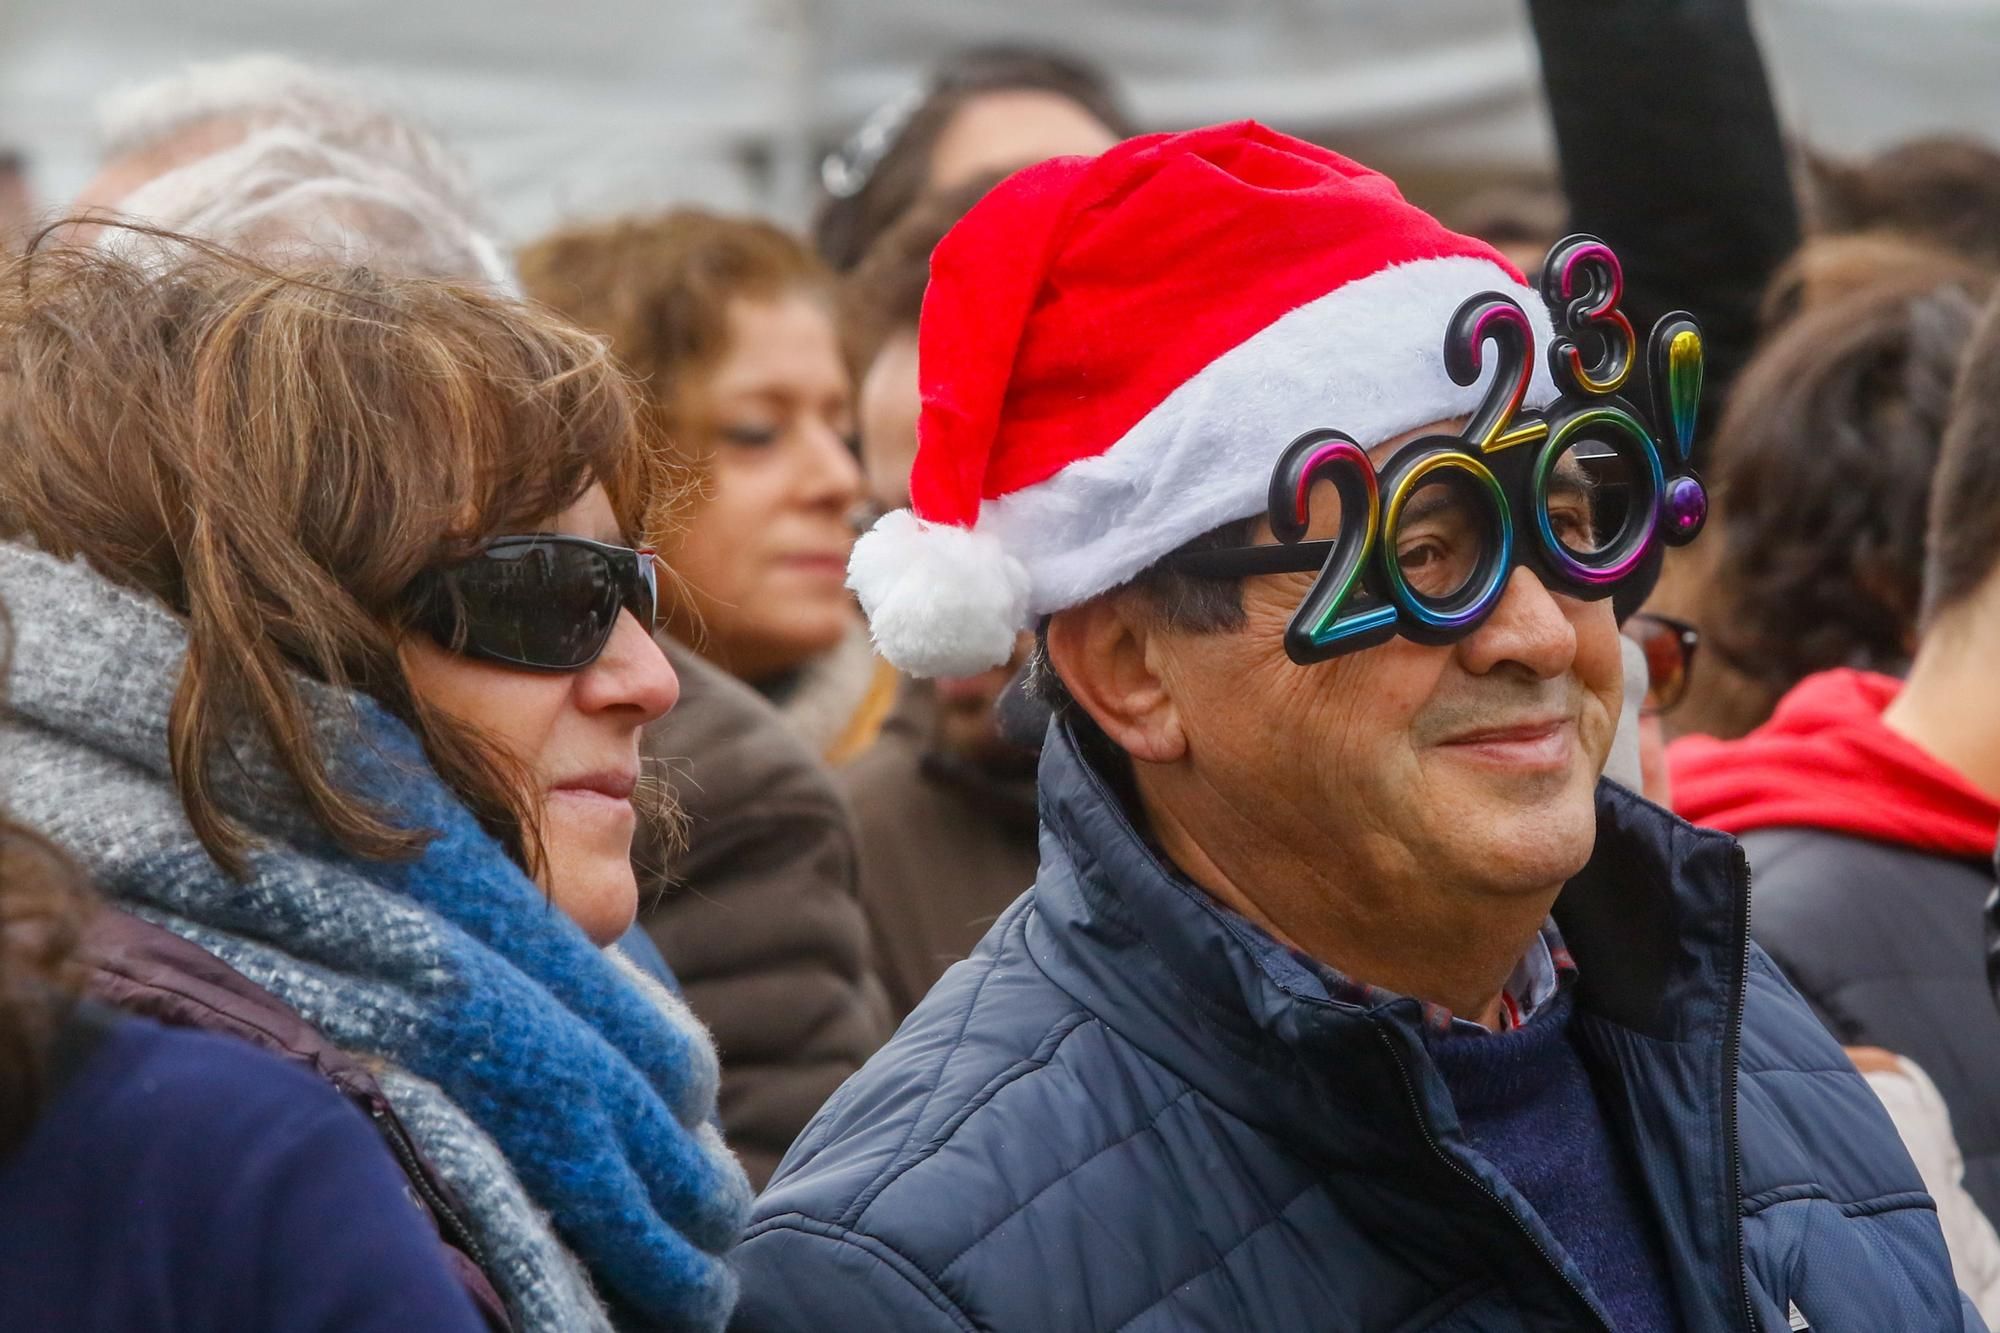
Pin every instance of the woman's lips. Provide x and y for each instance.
(611, 785)
(1546, 744)
(829, 566)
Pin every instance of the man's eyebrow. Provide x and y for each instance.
(1436, 496)
(1571, 477)
(1428, 501)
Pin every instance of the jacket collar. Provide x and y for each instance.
(1230, 1010)
(143, 968)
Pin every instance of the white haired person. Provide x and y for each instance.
(268, 156)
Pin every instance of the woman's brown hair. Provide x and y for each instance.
(884, 294)
(660, 289)
(276, 458)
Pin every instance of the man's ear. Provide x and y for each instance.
(1107, 652)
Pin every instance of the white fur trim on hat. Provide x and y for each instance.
(1366, 359)
(941, 600)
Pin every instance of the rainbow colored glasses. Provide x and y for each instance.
(1579, 492)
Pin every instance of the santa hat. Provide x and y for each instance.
(1115, 350)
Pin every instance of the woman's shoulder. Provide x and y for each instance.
(206, 1120)
(158, 1144)
(139, 1075)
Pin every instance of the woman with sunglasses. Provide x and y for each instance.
(331, 662)
(1659, 655)
(729, 322)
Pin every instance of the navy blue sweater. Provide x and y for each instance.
(1525, 1102)
(182, 1181)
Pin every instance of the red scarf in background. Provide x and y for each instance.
(1824, 760)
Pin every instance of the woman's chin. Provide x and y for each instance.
(598, 892)
(808, 626)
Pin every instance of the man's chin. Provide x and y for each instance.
(1529, 832)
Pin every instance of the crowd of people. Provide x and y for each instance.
(1132, 733)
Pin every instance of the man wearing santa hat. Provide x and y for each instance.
(1345, 997)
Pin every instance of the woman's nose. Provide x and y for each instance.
(830, 474)
(632, 675)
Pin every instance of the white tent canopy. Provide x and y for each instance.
(602, 105)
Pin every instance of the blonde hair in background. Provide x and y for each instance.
(660, 289)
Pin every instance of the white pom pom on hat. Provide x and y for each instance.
(941, 600)
(1114, 351)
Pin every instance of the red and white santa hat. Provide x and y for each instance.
(1115, 350)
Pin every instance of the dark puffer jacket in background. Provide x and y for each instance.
(757, 914)
(1884, 943)
(1873, 861)
(1125, 1112)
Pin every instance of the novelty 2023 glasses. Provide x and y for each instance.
(1579, 492)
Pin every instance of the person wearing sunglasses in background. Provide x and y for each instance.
(1659, 657)
(333, 684)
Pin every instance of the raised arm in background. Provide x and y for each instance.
(1670, 151)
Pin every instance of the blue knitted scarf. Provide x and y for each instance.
(451, 967)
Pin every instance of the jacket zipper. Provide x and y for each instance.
(453, 1227)
(1424, 1124)
(1731, 1056)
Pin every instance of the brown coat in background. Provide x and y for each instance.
(757, 915)
(945, 847)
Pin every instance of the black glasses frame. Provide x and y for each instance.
(633, 571)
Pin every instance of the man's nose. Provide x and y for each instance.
(1528, 627)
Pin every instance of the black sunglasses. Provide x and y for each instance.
(542, 601)
(1669, 646)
